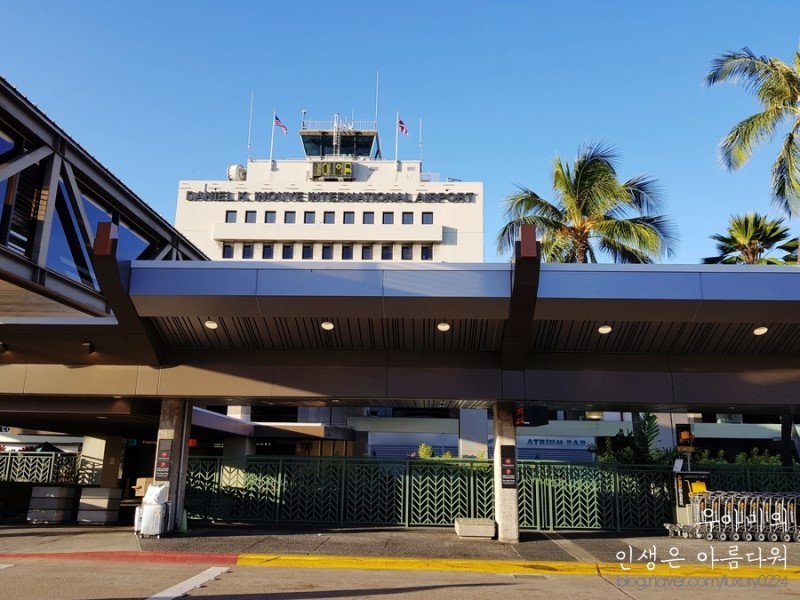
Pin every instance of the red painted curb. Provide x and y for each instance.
(138, 557)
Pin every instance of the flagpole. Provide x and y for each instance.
(272, 139)
(396, 134)
(420, 142)
(250, 128)
(377, 84)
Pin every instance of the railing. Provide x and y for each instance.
(349, 491)
(371, 491)
(39, 467)
(341, 125)
(338, 490)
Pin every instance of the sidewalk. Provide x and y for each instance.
(573, 553)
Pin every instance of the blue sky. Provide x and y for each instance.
(161, 91)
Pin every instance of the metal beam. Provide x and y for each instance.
(144, 341)
(524, 290)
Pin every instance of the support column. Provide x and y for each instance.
(100, 461)
(172, 456)
(506, 509)
(239, 447)
(472, 430)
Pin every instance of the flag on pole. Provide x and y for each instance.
(402, 126)
(281, 125)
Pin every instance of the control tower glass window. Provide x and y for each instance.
(388, 218)
(230, 216)
(288, 216)
(369, 218)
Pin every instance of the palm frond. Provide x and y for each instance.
(737, 147)
(745, 68)
(785, 183)
(578, 223)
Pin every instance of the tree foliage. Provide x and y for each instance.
(593, 214)
(776, 87)
(750, 239)
(635, 446)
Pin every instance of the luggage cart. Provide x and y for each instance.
(739, 515)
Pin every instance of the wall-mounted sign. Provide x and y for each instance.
(508, 466)
(560, 442)
(422, 197)
(163, 459)
(332, 169)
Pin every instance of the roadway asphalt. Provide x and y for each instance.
(258, 562)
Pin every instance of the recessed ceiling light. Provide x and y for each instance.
(327, 325)
(760, 330)
(604, 329)
(211, 324)
(443, 326)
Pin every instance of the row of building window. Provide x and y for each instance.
(329, 217)
(346, 251)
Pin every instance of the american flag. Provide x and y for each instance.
(402, 126)
(281, 125)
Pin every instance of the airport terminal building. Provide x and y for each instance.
(339, 202)
(117, 326)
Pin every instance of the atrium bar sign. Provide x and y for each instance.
(425, 197)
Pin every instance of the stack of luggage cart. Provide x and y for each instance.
(741, 516)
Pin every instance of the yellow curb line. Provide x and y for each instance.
(504, 566)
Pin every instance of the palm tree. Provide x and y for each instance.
(749, 239)
(593, 213)
(776, 86)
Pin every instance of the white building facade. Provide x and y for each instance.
(338, 203)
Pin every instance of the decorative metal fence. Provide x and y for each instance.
(338, 490)
(351, 491)
(369, 491)
(39, 467)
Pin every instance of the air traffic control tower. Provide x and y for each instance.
(342, 201)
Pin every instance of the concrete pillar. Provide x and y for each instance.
(240, 412)
(100, 461)
(506, 508)
(172, 454)
(666, 428)
(472, 426)
(239, 447)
